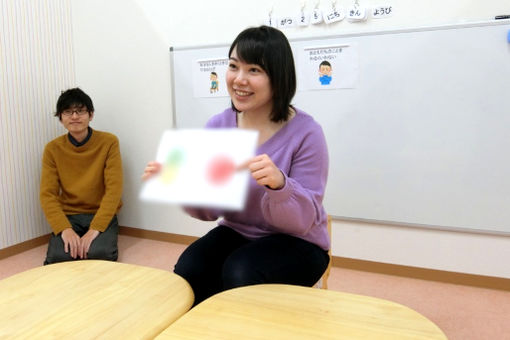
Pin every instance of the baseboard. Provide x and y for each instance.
(473, 280)
(24, 246)
(156, 235)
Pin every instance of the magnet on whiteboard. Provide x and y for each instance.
(508, 36)
(357, 13)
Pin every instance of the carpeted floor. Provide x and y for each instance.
(462, 312)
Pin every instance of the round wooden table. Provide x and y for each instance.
(292, 312)
(91, 299)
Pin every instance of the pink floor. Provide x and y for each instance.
(463, 313)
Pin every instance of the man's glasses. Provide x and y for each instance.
(79, 112)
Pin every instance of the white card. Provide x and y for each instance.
(336, 14)
(303, 19)
(209, 77)
(327, 67)
(199, 168)
(286, 22)
(357, 13)
(381, 12)
(271, 21)
(316, 16)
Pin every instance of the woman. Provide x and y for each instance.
(281, 235)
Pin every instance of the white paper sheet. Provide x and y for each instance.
(209, 77)
(199, 168)
(329, 67)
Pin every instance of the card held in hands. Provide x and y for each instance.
(200, 168)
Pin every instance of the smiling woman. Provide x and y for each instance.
(281, 234)
(248, 86)
(262, 65)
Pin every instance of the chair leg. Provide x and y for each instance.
(323, 281)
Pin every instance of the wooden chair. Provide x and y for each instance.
(323, 281)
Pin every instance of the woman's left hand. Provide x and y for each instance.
(264, 171)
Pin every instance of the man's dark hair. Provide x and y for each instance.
(269, 48)
(73, 98)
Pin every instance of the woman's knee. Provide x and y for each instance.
(184, 267)
(192, 266)
(239, 272)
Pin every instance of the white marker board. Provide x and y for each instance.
(424, 137)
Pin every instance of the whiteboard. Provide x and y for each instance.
(424, 137)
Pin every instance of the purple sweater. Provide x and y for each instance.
(299, 150)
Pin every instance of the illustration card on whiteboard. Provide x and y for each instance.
(329, 67)
(199, 168)
(209, 77)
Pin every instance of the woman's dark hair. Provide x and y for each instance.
(73, 98)
(269, 48)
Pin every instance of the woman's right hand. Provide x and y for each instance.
(152, 168)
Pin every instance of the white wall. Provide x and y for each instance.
(122, 60)
(36, 63)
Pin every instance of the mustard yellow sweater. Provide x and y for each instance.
(81, 180)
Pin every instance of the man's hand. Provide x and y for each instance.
(71, 242)
(86, 241)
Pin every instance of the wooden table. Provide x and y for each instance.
(91, 299)
(290, 312)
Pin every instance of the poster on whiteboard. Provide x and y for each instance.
(329, 67)
(209, 77)
(199, 168)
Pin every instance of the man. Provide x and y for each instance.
(81, 185)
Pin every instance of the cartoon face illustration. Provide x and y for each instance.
(325, 71)
(325, 68)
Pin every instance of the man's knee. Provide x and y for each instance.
(56, 252)
(56, 256)
(103, 253)
(104, 247)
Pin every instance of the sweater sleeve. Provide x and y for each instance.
(296, 207)
(49, 193)
(113, 180)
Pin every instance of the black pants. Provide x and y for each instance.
(223, 259)
(104, 246)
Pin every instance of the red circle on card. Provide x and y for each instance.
(220, 169)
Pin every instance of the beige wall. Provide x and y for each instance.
(36, 61)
